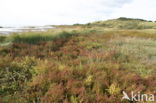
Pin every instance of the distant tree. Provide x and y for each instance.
(77, 24)
(124, 18)
(88, 24)
(150, 21)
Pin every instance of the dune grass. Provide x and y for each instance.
(125, 23)
(142, 51)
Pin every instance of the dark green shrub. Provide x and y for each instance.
(2, 39)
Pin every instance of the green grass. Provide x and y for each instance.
(142, 51)
(34, 38)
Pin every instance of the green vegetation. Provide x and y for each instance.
(2, 39)
(32, 27)
(37, 37)
(126, 23)
(78, 64)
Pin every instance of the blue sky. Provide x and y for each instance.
(54, 12)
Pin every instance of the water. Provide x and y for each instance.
(10, 30)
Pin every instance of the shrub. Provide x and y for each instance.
(2, 39)
(15, 75)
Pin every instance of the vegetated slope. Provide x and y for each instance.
(126, 23)
(81, 65)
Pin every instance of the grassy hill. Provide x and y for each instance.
(91, 63)
(125, 23)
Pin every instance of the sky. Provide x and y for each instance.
(58, 12)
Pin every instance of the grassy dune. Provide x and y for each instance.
(78, 64)
(126, 23)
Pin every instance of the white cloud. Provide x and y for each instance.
(144, 9)
(44, 12)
